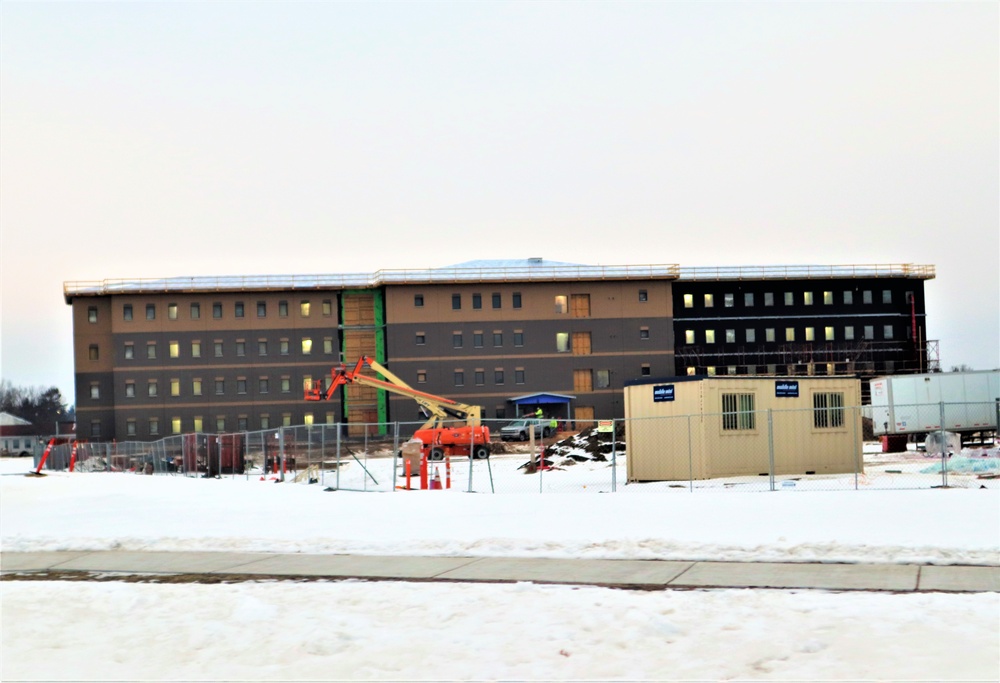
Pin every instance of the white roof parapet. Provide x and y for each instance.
(479, 273)
(908, 270)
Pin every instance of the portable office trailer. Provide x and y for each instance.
(705, 427)
(912, 404)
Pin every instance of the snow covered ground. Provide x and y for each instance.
(358, 630)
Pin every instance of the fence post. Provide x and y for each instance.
(614, 455)
(395, 450)
(859, 458)
(770, 447)
(281, 452)
(944, 451)
(338, 455)
(690, 457)
(322, 455)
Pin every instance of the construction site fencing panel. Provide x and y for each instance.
(828, 447)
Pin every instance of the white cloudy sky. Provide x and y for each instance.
(158, 139)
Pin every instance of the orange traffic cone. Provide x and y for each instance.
(436, 481)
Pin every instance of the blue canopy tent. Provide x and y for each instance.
(550, 403)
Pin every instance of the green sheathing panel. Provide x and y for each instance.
(378, 303)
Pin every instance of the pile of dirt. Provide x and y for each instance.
(589, 445)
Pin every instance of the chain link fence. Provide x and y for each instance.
(827, 448)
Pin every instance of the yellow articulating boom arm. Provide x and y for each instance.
(439, 408)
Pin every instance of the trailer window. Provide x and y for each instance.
(828, 410)
(738, 412)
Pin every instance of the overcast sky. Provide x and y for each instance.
(163, 139)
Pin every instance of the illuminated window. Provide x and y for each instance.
(196, 387)
(709, 336)
(807, 298)
(175, 387)
(561, 303)
(172, 311)
(307, 346)
(827, 298)
(196, 349)
(175, 349)
(689, 336)
(709, 301)
(175, 425)
(768, 298)
(304, 308)
(769, 334)
(199, 423)
(789, 334)
(828, 333)
(810, 334)
(327, 308)
(689, 301)
(562, 342)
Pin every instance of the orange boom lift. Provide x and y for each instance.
(437, 437)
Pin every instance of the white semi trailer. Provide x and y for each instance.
(961, 402)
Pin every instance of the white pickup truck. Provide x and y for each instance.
(518, 430)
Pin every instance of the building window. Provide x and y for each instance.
(261, 309)
(217, 346)
(196, 387)
(691, 370)
(129, 389)
(94, 352)
(866, 296)
(421, 376)
(644, 370)
(286, 385)
(887, 296)
(265, 421)
(828, 333)
(130, 427)
(887, 332)
(709, 336)
(241, 347)
(95, 391)
(516, 299)
(456, 302)
(95, 429)
(518, 338)
(496, 300)
(175, 425)
(217, 310)
(827, 298)
(498, 376)
(262, 385)
(579, 305)
(421, 338)
(689, 301)
(477, 301)
(154, 426)
(869, 332)
(152, 388)
(643, 295)
(307, 382)
(562, 342)
(751, 335)
(282, 309)
(790, 334)
(261, 347)
(689, 336)
(151, 350)
(175, 349)
(418, 300)
(196, 349)
(286, 419)
(769, 335)
(738, 412)
(150, 311)
(519, 376)
(498, 339)
(307, 346)
(848, 297)
(561, 304)
(172, 311)
(828, 410)
(238, 309)
(175, 387)
(220, 386)
(129, 351)
(768, 298)
(459, 378)
(602, 379)
(810, 334)
(242, 423)
(456, 340)
(127, 313)
(327, 308)
(477, 340)
(730, 369)
(283, 347)
(728, 301)
(643, 333)
(195, 311)
(748, 299)
(807, 298)
(789, 298)
(220, 423)
(304, 308)
(730, 336)
(328, 345)
(709, 301)
(849, 332)
(92, 314)
(480, 376)
(241, 385)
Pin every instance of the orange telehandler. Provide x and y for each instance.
(437, 437)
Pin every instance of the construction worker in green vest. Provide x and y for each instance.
(538, 413)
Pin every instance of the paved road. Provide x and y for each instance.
(637, 574)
